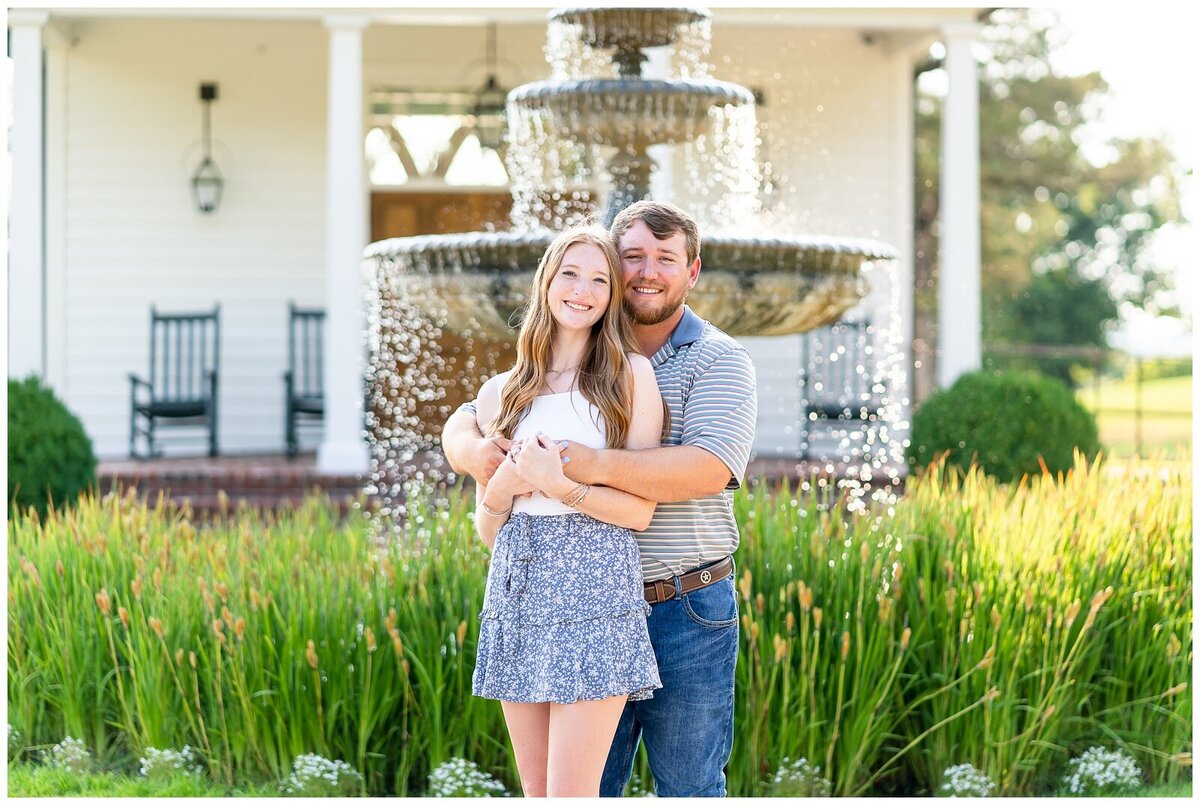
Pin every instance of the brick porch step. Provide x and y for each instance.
(263, 481)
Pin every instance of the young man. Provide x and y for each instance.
(707, 381)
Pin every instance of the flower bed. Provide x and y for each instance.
(1005, 627)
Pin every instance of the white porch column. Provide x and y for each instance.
(343, 450)
(959, 336)
(662, 179)
(26, 250)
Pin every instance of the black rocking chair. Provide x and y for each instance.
(303, 382)
(182, 389)
(836, 394)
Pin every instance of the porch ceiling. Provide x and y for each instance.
(868, 19)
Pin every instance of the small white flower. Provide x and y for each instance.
(164, 763)
(1099, 770)
(316, 776)
(964, 780)
(799, 778)
(636, 790)
(71, 754)
(459, 777)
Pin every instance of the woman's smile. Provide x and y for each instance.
(579, 293)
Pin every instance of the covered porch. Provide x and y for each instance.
(103, 148)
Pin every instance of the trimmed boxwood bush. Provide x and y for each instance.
(50, 456)
(1003, 422)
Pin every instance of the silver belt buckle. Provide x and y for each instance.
(705, 577)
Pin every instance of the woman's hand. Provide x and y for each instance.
(538, 461)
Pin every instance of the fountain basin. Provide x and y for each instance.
(629, 28)
(629, 113)
(476, 283)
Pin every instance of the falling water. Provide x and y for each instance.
(442, 309)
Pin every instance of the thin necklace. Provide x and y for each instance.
(560, 371)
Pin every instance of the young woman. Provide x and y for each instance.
(563, 640)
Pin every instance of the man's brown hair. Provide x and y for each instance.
(663, 219)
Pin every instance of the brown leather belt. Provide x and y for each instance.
(664, 589)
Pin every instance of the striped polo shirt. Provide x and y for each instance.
(708, 383)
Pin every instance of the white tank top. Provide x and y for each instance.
(567, 415)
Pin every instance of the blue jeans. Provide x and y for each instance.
(688, 725)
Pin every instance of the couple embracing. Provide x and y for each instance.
(605, 461)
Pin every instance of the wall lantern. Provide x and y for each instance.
(488, 109)
(207, 182)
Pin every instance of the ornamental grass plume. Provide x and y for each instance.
(806, 599)
(104, 602)
(310, 654)
(1072, 614)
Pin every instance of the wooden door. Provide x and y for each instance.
(402, 214)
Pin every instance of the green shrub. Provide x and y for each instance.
(50, 458)
(1003, 422)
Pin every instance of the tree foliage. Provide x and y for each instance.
(1060, 216)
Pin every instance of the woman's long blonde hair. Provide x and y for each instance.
(604, 377)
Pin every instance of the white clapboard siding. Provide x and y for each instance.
(133, 237)
(132, 139)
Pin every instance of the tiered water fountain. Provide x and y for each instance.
(474, 284)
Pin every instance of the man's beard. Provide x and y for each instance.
(649, 317)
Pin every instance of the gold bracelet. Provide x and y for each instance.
(494, 514)
(567, 498)
(575, 497)
(577, 502)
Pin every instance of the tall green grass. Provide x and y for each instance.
(999, 625)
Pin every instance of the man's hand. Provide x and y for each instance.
(484, 457)
(507, 480)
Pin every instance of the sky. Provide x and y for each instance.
(1148, 55)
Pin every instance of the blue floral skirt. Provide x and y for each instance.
(564, 614)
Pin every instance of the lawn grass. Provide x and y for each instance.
(27, 780)
(1183, 788)
(1166, 405)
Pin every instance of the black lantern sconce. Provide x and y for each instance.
(207, 182)
(488, 109)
